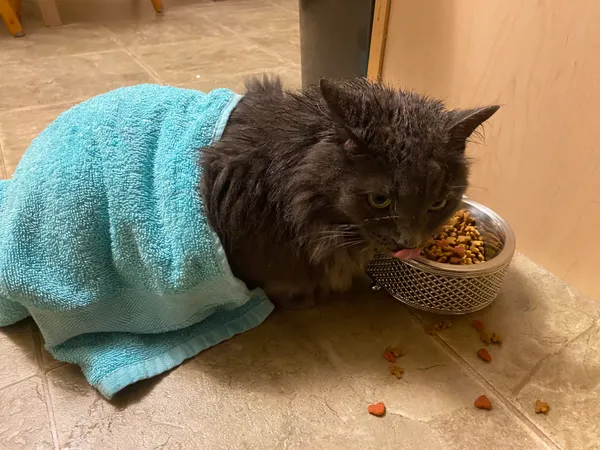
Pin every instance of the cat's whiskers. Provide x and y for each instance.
(381, 218)
(334, 237)
(331, 232)
(343, 231)
(352, 244)
(347, 244)
(328, 240)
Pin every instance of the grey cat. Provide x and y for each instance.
(304, 187)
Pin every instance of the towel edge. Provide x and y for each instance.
(112, 383)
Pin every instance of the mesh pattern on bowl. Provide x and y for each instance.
(435, 291)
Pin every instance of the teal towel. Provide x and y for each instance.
(103, 239)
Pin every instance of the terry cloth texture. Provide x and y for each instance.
(103, 239)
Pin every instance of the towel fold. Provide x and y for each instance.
(104, 242)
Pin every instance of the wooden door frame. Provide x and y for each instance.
(381, 15)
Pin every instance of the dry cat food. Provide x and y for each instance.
(396, 351)
(433, 328)
(387, 354)
(541, 407)
(485, 337)
(484, 355)
(478, 325)
(458, 243)
(483, 402)
(393, 352)
(377, 409)
(398, 372)
(495, 338)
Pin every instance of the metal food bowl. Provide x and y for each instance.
(445, 288)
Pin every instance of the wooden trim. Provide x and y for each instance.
(381, 17)
(50, 13)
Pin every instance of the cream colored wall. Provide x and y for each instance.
(540, 167)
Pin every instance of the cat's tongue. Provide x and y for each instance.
(407, 253)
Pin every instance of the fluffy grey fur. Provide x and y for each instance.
(296, 186)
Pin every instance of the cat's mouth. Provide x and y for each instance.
(407, 253)
(397, 251)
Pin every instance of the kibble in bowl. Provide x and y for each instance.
(458, 286)
(458, 242)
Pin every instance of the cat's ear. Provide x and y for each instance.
(466, 121)
(335, 98)
(338, 101)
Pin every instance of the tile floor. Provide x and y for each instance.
(304, 378)
(197, 44)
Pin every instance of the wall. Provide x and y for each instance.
(540, 165)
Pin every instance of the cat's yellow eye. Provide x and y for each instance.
(438, 205)
(379, 201)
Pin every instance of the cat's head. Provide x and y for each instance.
(393, 161)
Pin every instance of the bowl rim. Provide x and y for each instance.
(505, 255)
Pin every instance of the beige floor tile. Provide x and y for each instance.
(570, 382)
(290, 5)
(24, 422)
(209, 58)
(50, 80)
(67, 40)
(290, 76)
(89, 11)
(17, 353)
(498, 428)
(229, 6)
(16, 133)
(535, 314)
(303, 379)
(175, 26)
(47, 360)
(285, 43)
(258, 21)
(3, 174)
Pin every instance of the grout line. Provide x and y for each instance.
(526, 379)
(49, 403)
(50, 411)
(12, 383)
(32, 334)
(234, 75)
(249, 39)
(42, 106)
(246, 39)
(3, 174)
(143, 65)
(211, 7)
(188, 40)
(54, 368)
(37, 341)
(282, 62)
(68, 55)
(277, 5)
(481, 379)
